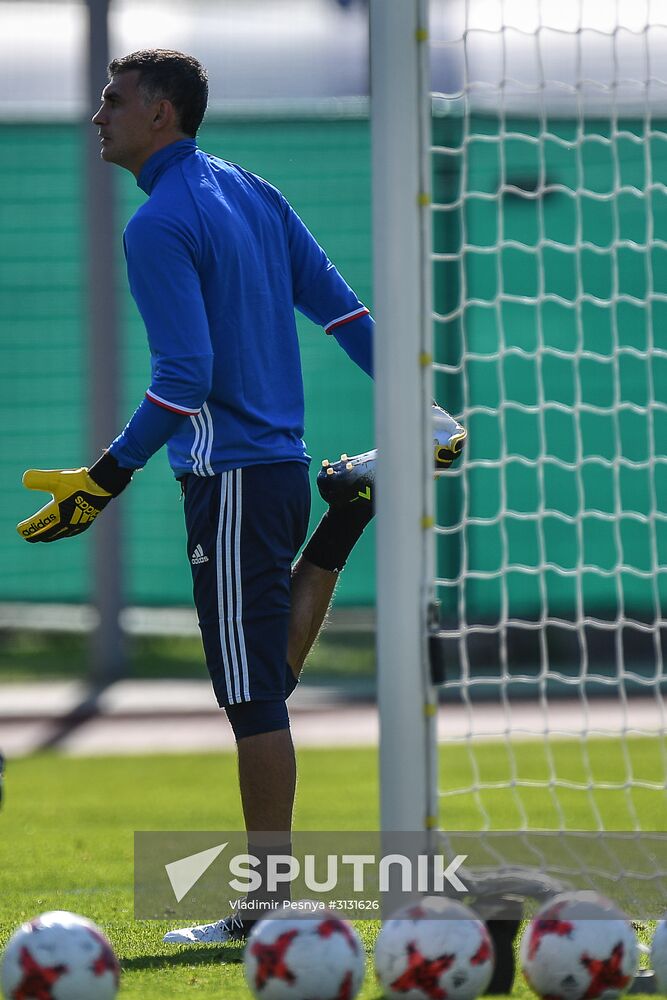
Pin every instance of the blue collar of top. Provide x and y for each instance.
(156, 164)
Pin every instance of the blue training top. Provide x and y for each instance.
(217, 261)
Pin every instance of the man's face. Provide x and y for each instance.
(126, 122)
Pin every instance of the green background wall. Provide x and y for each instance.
(562, 334)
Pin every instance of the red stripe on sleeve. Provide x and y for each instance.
(348, 319)
(167, 406)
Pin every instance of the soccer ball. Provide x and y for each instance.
(59, 956)
(432, 950)
(579, 945)
(300, 958)
(659, 955)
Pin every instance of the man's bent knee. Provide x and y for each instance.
(253, 718)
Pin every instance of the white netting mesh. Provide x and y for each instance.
(550, 305)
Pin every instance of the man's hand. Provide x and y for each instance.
(77, 500)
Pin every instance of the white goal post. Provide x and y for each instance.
(520, 268)
(400, 129)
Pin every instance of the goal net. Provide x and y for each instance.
(549, 158)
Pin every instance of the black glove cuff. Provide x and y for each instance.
(108, 474)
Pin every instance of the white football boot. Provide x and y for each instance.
(232, 928)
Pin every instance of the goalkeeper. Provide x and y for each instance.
(217, 260)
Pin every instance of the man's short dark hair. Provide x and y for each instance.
(174, 76)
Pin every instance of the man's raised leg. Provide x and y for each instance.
(315, 575)
(348, 486)
(312, 590)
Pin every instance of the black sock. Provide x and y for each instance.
(502, 933)
(336, 535)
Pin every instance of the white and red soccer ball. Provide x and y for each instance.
(59, 956)
(291, 957)
(579, 946)
(436, 949)
(659, 955)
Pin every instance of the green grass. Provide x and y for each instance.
(67, 840)
(67, 843)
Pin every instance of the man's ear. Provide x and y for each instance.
(164, 115)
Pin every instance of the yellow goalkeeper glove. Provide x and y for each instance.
(449, 437)
(77, 498)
